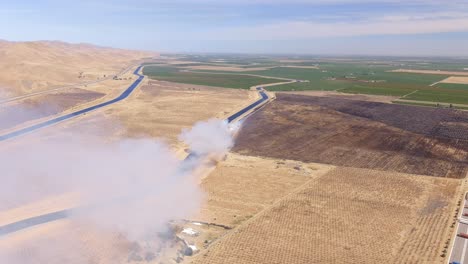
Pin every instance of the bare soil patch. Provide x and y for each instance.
(456, 79)
(360, 134)
(460, 73)
(347, 216)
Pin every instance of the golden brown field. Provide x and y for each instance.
(347, 216)
(27, 67)
(456, 79)
(241, 186)
(459, 73)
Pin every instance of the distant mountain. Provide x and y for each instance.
(27, 67)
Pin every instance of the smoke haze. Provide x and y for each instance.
(132, 187)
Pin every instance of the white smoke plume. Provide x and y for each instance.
(133, 186)
(208, 137)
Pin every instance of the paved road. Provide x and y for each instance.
(460, 247)
(56, 120)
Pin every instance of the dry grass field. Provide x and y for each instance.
(347, 216)
(27, 67)
(155, 109)
(407, 139)
(241, 186)
(162, 109)
(456, 79)
(459, 73)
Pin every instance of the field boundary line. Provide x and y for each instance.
(429, 102)
(409, 94)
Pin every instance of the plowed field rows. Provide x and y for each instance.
(347, 216)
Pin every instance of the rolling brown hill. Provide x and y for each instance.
(27, 67)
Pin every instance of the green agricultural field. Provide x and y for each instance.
(377, 90)
(454, 86)
(321, 85)
(356, 77)
(293, 73)
(440, 96)
(238, 81)
(355, 71)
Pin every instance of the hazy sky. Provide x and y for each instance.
(384, 27)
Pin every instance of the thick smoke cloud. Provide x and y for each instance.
(208, 137)
(131, 186)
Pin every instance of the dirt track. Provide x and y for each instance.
(360, 134)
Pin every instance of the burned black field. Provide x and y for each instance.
(361, 134)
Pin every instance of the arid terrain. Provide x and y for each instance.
(27, 67)
(347, 215)
(437, 72)
(313, 177)
(456, 79)
(158, 110)
(20, 111)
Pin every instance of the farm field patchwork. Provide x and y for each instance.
(354, 76)
(208, 79)
(352, 133)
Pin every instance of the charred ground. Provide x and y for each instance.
(389, 137)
